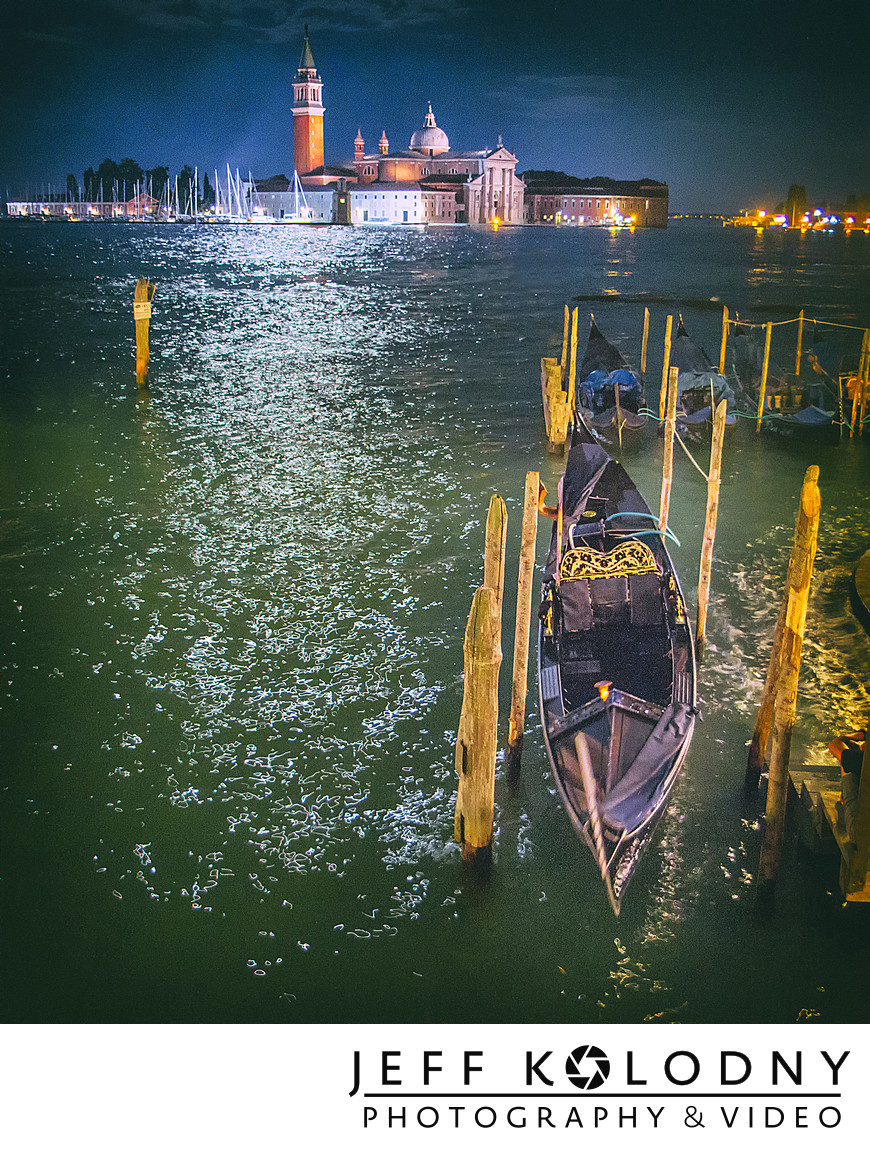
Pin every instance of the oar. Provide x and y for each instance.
(590, 790)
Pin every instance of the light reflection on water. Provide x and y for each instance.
(242, 603)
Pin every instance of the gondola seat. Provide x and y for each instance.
(645, 600)
(576, 604)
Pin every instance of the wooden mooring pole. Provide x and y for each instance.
(713, 484)
(665, 367)
(643, 344)
(494, 548)
(572, 367)
(762, 390)
(724, 341)
(142, 296)
(864, 382)
(763, 722)
(563, 362)
(800, 340)
(477, 739)
(856, 395)
(785, 707)
(668, 461)
(525, 581)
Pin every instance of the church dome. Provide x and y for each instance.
(430, 138)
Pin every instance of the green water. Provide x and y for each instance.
(233, 612)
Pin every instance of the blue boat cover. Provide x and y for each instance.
(809, 417)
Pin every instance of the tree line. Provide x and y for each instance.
(118, 181)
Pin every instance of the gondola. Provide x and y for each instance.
(811, 403)
(603, 373)
(616, 662)
(700, 386)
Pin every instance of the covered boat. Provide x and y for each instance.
(616, 662)
(700, 386)
(604, 373)
(810, 401)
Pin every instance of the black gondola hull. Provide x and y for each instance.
(616, 680)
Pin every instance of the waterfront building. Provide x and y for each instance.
(554, 198)
(387, 203)
(276, 197)
(141, 206)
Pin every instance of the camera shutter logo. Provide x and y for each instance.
(587, 1067)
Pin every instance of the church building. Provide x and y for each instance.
(457, 186)
(428, 183)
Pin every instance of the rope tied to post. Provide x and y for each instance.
(694, 463)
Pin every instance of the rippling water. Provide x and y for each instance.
(233, 620)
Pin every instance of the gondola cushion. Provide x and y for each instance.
(645, 600)
(576, 604)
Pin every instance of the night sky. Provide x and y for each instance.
(727, 102)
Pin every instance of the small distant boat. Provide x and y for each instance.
(603, 374)
(700, 387)
(616, 662)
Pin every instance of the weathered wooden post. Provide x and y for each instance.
(857, 382)
(494, 548)
(800, 340)
(865, 380)
(785, 707)
(761, 733)
(477, 739)
(724, 341)
(713, 484)
(765, 363)
(865, 345)
(555, 405)
(857, 876)
(572, 370)
(856, 395)
(525, 580)
(563, 362)
(618, 413)
(666, 367)
(644, 343)
(142, 296)
(668, 461)
(560, 416)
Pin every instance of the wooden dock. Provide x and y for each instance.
(818, 790)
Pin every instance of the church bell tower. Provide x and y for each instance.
(307, 114)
